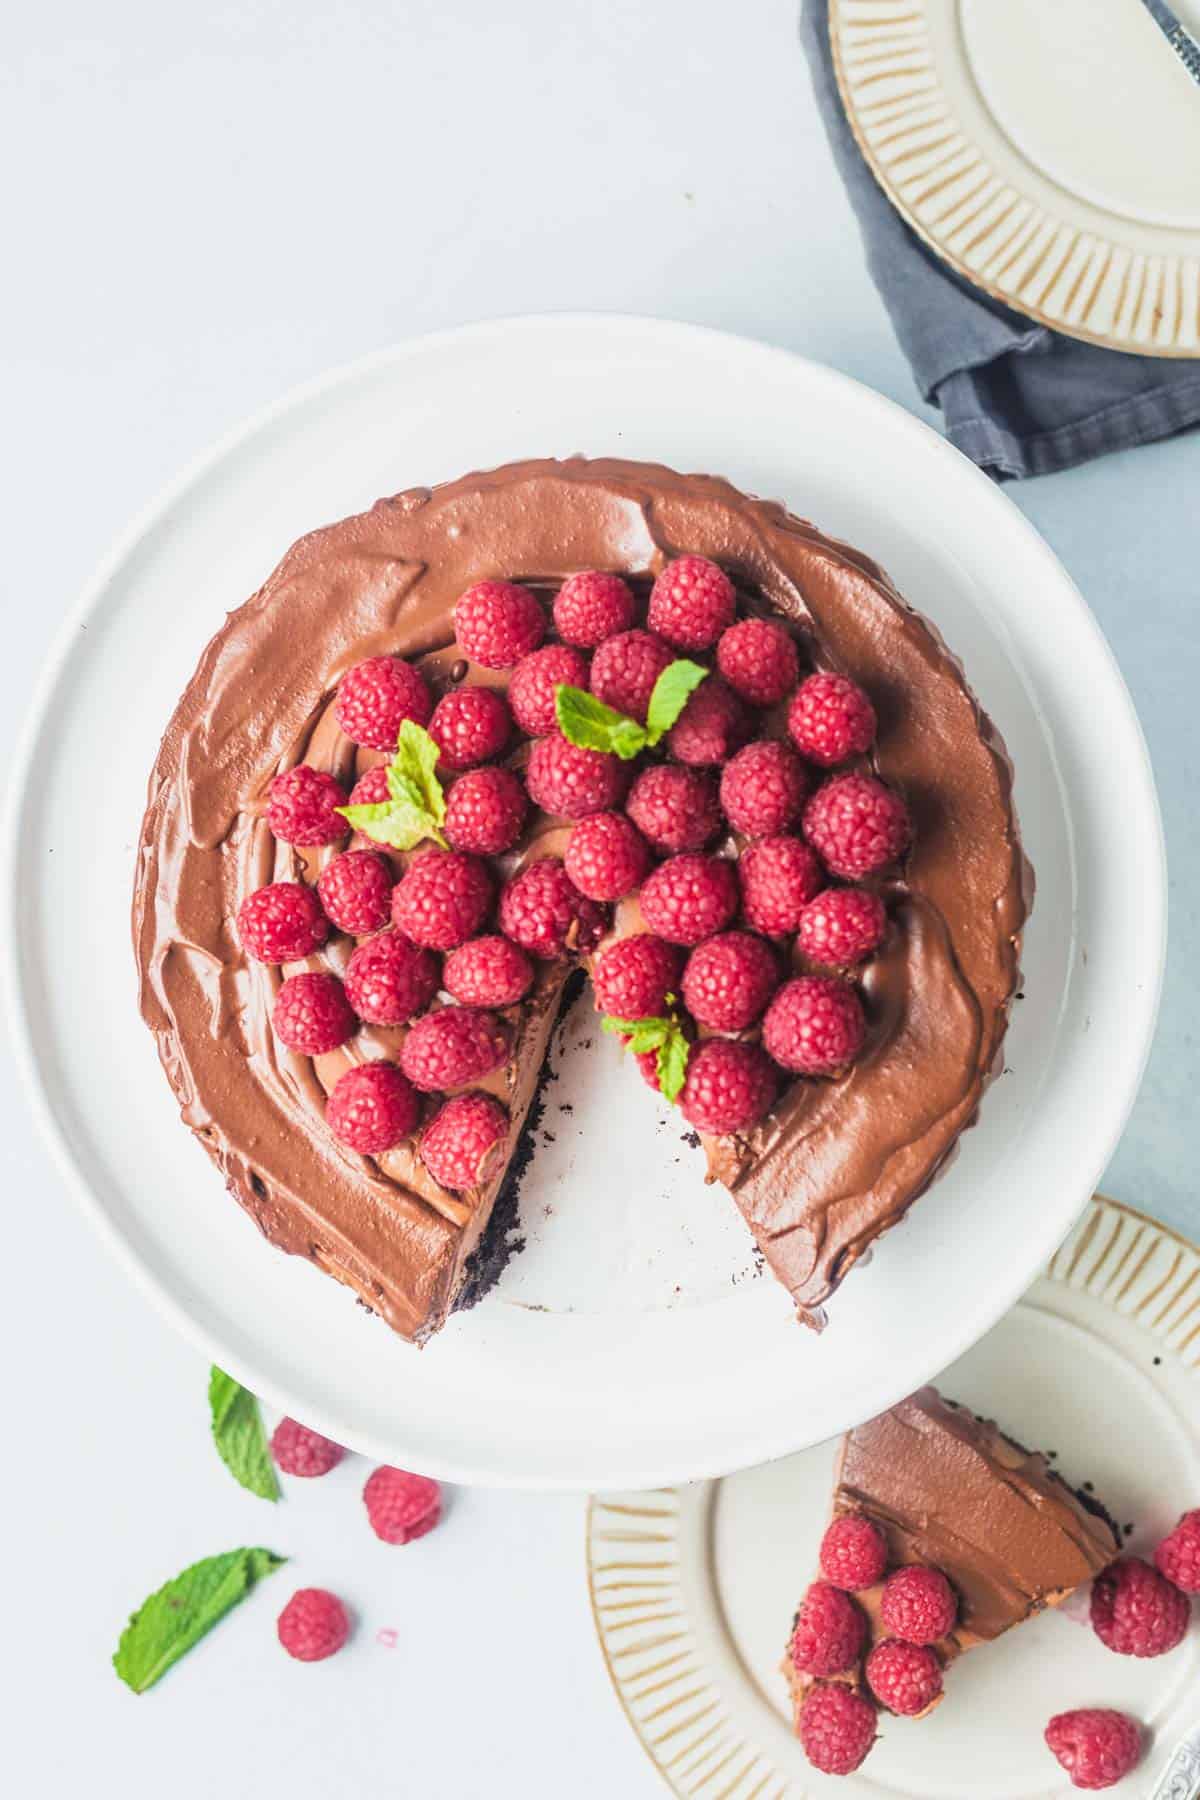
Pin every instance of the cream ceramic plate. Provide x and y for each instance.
(1050, 153)
(693, 1588)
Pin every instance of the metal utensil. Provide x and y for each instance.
(1181, 1777)
(1187, 50)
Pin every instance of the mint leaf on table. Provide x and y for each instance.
(670, 695)
(592, 725)
(416, 806)
(238, 1433)
(166, 1625)
(663, 1035)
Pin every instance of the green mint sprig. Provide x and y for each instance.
(167, 1625)
(662, 1034)
(416, 806)
(238, 1433)
(592, 725)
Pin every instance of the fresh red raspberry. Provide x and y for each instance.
(841, 927)
(300, 807)
(460, 1146)
(531, 690)
(607, 856)
(442, 898)
(371, 789)
(300, 1451)
(1136, 1611)
(497, 623)
(829, 1632)
(281, 923)
(729, 1086)
(356, 891)
(633, 977)
(543, 911)
(729, 979)
(1178, 1556)
(372, 1108)
(778, 877)
(853, 1553)
(689, 897)
(389, 980)
(571, 782)
(454, 1046)
(856, 825)
(400, 1506)
(1095, 1745)
(763, 789)
(625, 669)
(312, 1014)
(675, 807)
(830, 719)
(592, 606)
(918, 1605)
(836, 1728)
(313, 1625)
(906, 1678)
(470, 725)
(691, 603)
(712, 725)
(647, 1062)
(376, 697)
(758, 659)
(485, 811)
(487, 971)
(814, 1026)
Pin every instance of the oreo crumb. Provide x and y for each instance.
(1157, 1362)
(690, 1137)
(548, 1137)
(1089, 1487)
(565, 1106)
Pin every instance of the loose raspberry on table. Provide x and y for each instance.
(497, 623)
(442, 898)
(572, 782)
(713, 724)
(625, 669)
(778, 877)
(543, 911)
(856, 825)
(390, 980)
(829, 1631)
(758, 659)
(313, 1625)
(836, 1728)
(487, 971)
(372, 1108)
(531, 690)
(689, 897)
(814, 1026)
(371, 788)
(691, 603)
(841, 926)
(356, 891)
(763, 789)
(918, 1605)
(461, 1146)
(485, 811)
(632, 978)
(400, 1506)
(300, 807)
(674, 806)
(830, 719)
(1095, 1745)
(729, 979)
(729, 1086)
(592, 606)
(853, 1552)
(376, 697)
(906, 1678)
(298, 1450)
(453, 1047)
(1136, 1611)
(607, 856)
(470, 725)
(283, 922)
(311, 1014)
(1178, 1556)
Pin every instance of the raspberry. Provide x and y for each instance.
(470, 725)
(300, 807)
(856, 825)
(763, 789)
(389, 980)
(675, 807)
(836, 1728)
(531, 690)
(778, 876)
(371, 789)
(712, 725)
(1095, 1745)
(841, 927)
(918, 1605)
(829, 1632)
(372, 1108)
(729, 1086)
(572, 782)
(1136, 1611)
(313, 1625)
(497, 623)
(301, 1451)
(634, 976)
(376, 697)
(442, 898)
(487, 971)
(906, 1678)
(689, 897)
(459, 1144)
(453, 1047)
(625, 669)
(853, 1553)
(830, 719)
(312, 1014)
(814, 1026)
(1178, 1556)
(729, 979)
(400, 1506)
(485, 811)
(544, 912)
(356, 891)
(281, 923)
(758, 658)
(607, 856)
(647, 1062)
(591, 606)
(691, 603)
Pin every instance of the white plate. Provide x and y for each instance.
(693, 1590)
(1048, 153)
(627, 1348)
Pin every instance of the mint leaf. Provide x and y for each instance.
(664, 1035)
(671, 693)
(238, 1433)
(416, 807)
(586, 721)
(672, 1065)
(166, 1625)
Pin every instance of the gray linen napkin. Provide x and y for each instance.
(1017, 398)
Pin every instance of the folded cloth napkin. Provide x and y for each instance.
(1018, 398)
